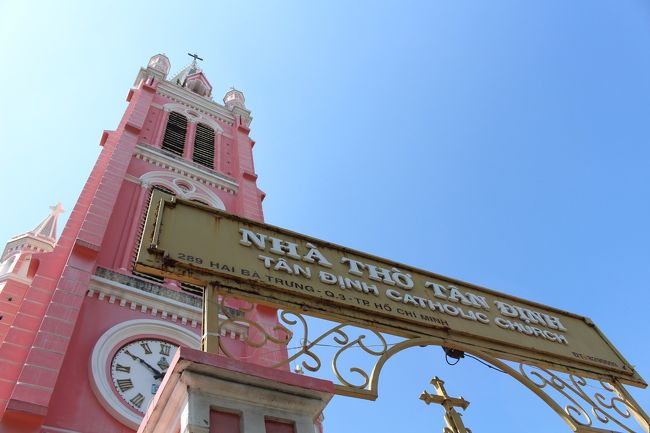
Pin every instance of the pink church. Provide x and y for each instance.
(85, 341)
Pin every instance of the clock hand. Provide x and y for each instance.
(157, 374)
(143, 362)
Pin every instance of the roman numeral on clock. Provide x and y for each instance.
(137, 400)
(164, 349)
(145, 346)
(123, 368)
(124, 384)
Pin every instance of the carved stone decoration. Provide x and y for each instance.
(183, 187)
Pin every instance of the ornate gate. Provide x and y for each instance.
(580, 404)
(369, 301)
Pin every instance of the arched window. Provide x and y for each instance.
(204, 146)
(184, 187)
(174, 140)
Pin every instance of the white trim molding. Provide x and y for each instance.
(193, 116)
(160, 306)
(187, 97)
(183, 187)
(156, 157)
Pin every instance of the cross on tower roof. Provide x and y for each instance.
(195, 57)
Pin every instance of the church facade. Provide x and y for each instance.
(84, 340)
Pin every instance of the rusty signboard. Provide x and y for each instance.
(196, 244)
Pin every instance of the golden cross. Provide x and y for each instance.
(452, 418)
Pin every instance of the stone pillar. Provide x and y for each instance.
(160, 132)
(208, 393)
(189, 140)
(218, 146)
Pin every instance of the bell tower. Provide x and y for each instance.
(85, 341)
(19, 262)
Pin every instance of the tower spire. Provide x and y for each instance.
(40, 238)
(193, 78)
(47, 227)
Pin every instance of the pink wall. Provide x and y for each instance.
(273, 426)
(125, 211)
(10, 301)
(74, 405)
(45, 354)
(224, 422)
(46, 319)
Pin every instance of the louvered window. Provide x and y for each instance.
(174, 140)
(204, 146)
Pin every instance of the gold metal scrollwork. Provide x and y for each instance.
(278, 335)
(340, 335)
(355, 379)
(608, 404)
(343, 339)
(604, 407)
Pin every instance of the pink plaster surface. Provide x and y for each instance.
(49, 329)
(224, 422)
(74, 405)
(251, 369)
(69, 267)
(200, 360)
(15, 291)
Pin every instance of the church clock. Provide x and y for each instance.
(129, 362)
(138, 368)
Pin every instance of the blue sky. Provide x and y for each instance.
(504, 143)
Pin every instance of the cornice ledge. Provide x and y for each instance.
(239, 111)
(156, 305)
(15, 278)
(143, 73)
(249, 175)
(166, 88)
(142, 297)
(202, 175)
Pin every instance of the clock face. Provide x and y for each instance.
(138, 368)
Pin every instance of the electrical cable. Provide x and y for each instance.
(485, 363)
(447, 359)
